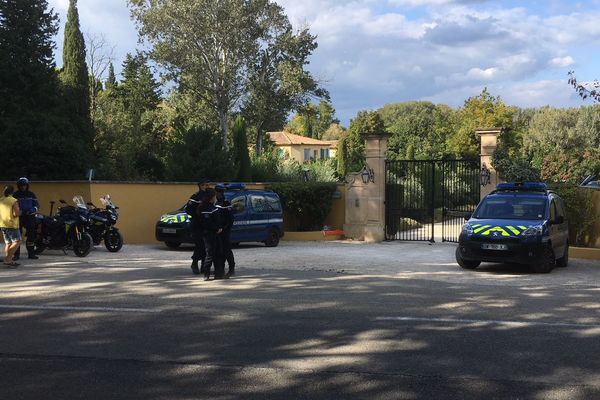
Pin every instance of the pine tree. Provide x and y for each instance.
(241, 157)
(111, 81)
(75, 72)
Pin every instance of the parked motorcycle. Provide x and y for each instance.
(65, 230)
(102, 223)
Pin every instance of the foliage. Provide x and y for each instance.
(334, 132)
(220, 52)
(585, 90)
(580, 211)
(351, 147)
(513, 168)
(132, 126)
(313, 120)
(570, 166)
(196, 152)
(265, 167)
(32, 111)
(74, 75)
(278, 82)
(483, 111)
(241, 158)
(323, 170)
(419, 125)
(307, 204)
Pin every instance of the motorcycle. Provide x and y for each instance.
(65, 230)
(102, 223)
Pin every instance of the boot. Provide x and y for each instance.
(231, 271)
(31, 253)
(194, 267)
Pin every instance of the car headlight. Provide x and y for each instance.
(534, 231)
(467, 229)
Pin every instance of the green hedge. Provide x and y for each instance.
(580, 212)
(307, 204)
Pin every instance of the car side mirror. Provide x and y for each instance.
(468, 216)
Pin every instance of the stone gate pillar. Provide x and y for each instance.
(489, 144)
(365, 197)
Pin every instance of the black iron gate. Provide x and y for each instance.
(428, 199)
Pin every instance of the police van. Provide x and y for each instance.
(258, 218)
(522, 223)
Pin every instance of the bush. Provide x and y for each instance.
(580, 212)
(323, 171)
(307, 204)
(264, 167)
(514, 168)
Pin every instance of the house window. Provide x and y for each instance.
(316, 154)
(324, 154)
(281, 154)
(306, 155)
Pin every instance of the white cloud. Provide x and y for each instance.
(562, 62)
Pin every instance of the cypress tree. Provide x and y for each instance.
(75, 72)
(111, 81)
(341, 157)
(31, 114)
(240, 150)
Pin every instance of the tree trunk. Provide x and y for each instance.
(224, 129)
(259, 142)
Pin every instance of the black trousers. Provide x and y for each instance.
(27, 222)
(199, 247)
(227, 250)
(214, 254)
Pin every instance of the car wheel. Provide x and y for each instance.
(564, 261)
(546, 263)
(173, 245)
(272, 238)
(466, 264)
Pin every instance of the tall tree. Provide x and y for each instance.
(241, 158)
(313, 120)
(111, 80)
(210, 48)
(75, 71)
(352, 143)
(31, 117)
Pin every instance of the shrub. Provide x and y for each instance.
(264, 167)
(580, 212)
(514, 168)
(323, 171)
(307, 204)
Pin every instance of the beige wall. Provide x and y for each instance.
(142, 204)
(296, 152)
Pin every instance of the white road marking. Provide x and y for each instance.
(75, 308)
(488, 322)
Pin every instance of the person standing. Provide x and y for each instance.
(212, 228)
(29, 205)
(227, 219)
(9, 225)
(192, 208)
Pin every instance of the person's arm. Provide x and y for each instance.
(16, 210)
(36, 203)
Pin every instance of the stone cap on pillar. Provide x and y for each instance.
(489, 139)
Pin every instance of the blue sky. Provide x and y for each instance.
(373, 52)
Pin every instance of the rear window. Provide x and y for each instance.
(512, 207)
(262, 203)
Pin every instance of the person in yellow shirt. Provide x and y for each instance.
(9, 225)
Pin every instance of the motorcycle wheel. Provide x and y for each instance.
(82, 247)
(113, 240)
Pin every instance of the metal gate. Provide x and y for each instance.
(428, 199)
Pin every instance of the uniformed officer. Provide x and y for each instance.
(212, 227)
(227, 218)
(29, 205)
(192, 208)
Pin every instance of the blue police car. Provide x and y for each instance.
(258, 218)
(522, 223)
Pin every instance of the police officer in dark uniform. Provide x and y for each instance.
(193, 207)
(227, 219)
(29, 205)
(212, 228)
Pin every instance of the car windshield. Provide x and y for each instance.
(512, 207)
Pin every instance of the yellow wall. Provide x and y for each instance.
(296, 152)
(141, 204)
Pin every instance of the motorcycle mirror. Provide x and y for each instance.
(62, 202)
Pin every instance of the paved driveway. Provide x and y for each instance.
(301, 321)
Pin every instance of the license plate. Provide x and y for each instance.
(493, 246)
(169, 230)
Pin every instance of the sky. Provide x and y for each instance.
(373, 52)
